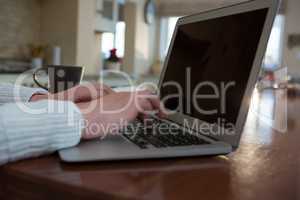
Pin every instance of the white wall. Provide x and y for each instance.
(59, 27)
(292, 56)
(130, 33)
(88, 46)
(70, 24)
(146, 42)
(140, 53)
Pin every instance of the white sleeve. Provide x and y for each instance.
(10, 93)
(39, 128)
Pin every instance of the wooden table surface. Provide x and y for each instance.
(266, 166)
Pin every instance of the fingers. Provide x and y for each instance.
(84, 93)
(158, 106)
(103, 90)
(99, 90)
(145, 106)
(152, 104)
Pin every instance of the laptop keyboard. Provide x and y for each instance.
(160, 135)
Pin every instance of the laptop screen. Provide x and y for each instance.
(209, 66)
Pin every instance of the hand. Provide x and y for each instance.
(77, 94)
(112, 112)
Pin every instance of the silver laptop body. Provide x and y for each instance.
(217, 46)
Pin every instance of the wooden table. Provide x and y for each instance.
(266, 166)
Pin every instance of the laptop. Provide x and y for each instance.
(207, 81)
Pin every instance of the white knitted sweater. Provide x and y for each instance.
(33, 129)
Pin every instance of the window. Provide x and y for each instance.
(273, 57)
(107, 43)
(114, 40)
(120, 38)
(167, 29)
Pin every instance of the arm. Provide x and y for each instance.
(10, 93)
(25, 135)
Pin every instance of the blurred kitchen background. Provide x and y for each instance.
(126, 35)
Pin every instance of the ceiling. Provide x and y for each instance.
(197, 1)
(185, 7)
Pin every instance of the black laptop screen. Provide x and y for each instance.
(210, 64)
